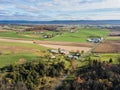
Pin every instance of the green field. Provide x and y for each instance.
(29, 35)
(106, 57)
(80, 35)
(25, 35)
(9, 56)
(7, 59)
(35, 46)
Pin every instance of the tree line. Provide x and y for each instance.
(96, 76)
(30, 76)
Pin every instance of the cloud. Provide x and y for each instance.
(60, 9)
(28, 8)
(90, 1)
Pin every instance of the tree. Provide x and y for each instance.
(73, 64)
(110, 60)
(90, 61)
(118, 59)
(82, 52)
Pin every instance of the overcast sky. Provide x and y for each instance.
(46, 10)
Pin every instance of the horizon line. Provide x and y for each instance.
(63, 20)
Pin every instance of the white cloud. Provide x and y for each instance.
(65, 9)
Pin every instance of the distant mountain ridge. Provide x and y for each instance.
(71, 22)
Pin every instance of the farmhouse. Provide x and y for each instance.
(53, 51)
(70, 56)
(61, 51)
(45, 36)
(95, 40)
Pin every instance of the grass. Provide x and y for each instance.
(113, 38)
(107, 56)
(27, 45)
(13, 34)
(80, 36)
(26, 35)
(7, 57)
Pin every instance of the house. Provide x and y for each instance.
(95, 39)
(53, 57)
(45, 36)
(70, 56)
(61, 51)
(53, 51)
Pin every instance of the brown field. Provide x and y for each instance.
(66, 43)
(69, 46)
(17, 49)
(108, 47)
(3, 30)
(113, 38)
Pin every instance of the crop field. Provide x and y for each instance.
(108, 47)
(81, 35)
(114, 35)
(68, 46)
(18, 52)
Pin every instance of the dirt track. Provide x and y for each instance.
(51, 44)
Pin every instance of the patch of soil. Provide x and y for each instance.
(3, 30)
(108, 47)
(66, 43)
(68, 48)
(16, 49)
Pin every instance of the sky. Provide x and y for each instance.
(47, 10)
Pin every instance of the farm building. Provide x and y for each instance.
(70, 56)
(61, 51)
(53, 51)
(95, 40)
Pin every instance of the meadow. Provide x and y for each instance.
(28, 35)
(14, 52)
(23, 35)
(81, 35)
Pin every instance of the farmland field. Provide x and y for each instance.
(20, 45)
(25, 35)
(108, 47)
(11, 52)
(80, 35)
